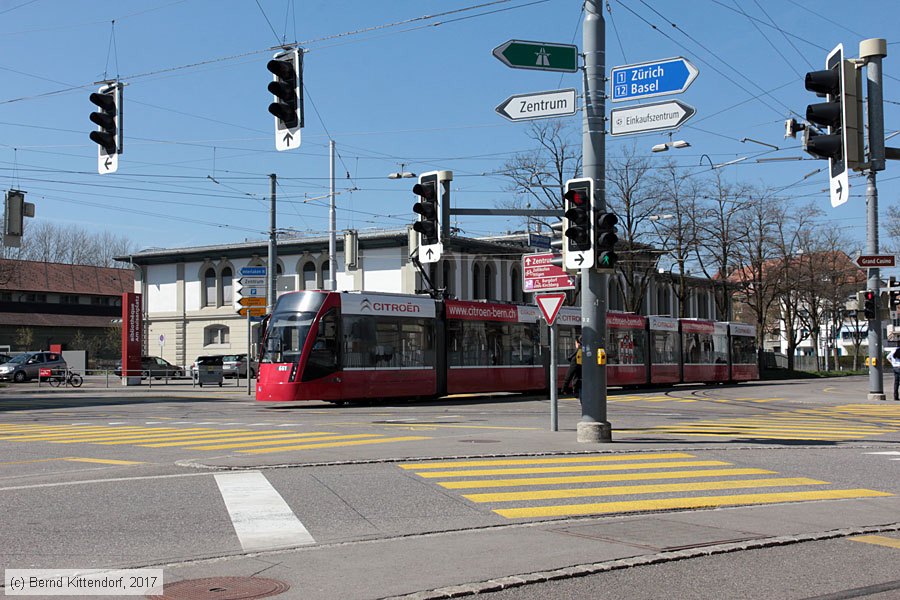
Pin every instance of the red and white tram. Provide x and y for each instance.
(342, 346)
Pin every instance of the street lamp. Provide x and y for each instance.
(670, 144)
(401, 174)
(665, 147)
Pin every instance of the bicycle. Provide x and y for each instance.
(69, 378)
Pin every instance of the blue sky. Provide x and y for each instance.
(199, 141)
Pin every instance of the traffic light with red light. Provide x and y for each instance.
(870, 308)
(578, 223)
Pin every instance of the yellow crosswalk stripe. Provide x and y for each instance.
(103, 461)
(570, 510)
(627, 490)
(326, 436)
(239, 438)
(572, 469)
(878, 540)
(535, 481)
(208, 434)
(78, 436)
(541, 461)
(132, 438)
(409, 438)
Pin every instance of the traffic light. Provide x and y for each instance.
(578, 223)
(429, 209)
(841, 86)
(287, 91)
(895, 299)
(108, 119)
(606, 240)
(870, 308)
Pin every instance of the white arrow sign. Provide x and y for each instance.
(252, 281)
(649, 117)
(539, 105)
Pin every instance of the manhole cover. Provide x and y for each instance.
(480, 441)
(222, 588)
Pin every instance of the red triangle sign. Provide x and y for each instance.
(550, 305)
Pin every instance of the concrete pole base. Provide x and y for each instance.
(876, 396)
(593, 432)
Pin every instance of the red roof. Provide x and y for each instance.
(58, 278)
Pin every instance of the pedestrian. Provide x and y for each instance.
(894, 357)
(572, 382)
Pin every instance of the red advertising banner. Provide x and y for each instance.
(132, 334)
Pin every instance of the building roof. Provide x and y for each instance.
(58, 278)
(293, 246)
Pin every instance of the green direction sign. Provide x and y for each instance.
(540, 56)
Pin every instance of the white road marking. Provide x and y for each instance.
(92, 481)
(260, 516)
(892, 453)
(290, 425)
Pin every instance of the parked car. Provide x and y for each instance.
(236, 364)
(28, 365)
(156, 367)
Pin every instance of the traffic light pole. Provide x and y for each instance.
(872, 51)
(593, 426)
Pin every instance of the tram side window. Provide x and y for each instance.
(744, 350)
(323, 358)
(720, 349)
(359, 339)
(388, 342)
(664, 348)
(625, 347)
(698, 349)
(524, 342)
(565, 343)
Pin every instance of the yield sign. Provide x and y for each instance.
(550, 305)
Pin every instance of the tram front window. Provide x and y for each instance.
(286, 335)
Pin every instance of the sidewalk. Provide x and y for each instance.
(461, 563)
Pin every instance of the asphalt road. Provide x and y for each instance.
(384, 500)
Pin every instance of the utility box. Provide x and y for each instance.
(209, 371)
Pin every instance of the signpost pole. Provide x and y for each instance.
(271, 272)
(873, 50)
(554, 369)
(593, 426)
(249, 354)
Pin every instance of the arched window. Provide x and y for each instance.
(209, 287)
(227, 287)
(515, 285)
(309, 276)
(447, 273)
(478, 283)
(326, 274)
(489, 283)
(215, 334)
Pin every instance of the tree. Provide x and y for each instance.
(793, 234)
(70, 244)
(717, 230)
(25, 338)
(757, 270)
(632, 194)
(537, 177)
(679, 196)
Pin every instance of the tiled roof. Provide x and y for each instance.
(57, 278)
